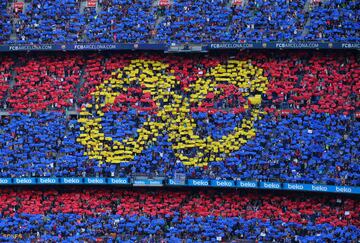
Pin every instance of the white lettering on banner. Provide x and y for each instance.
(343, 189)
(295, 186)
(297, 45)
(351, 45)
(176, 182)
(94, 47)
(47, 180)
(319, 188)
(118, 181)
(231, 45)
(224, 183)
(30, 47)
(248, 184)
(271, 185)
(23, 180)
(140, 182)
(71, 180)
(96, 180)
(200, 183)
(155, 182)
(4, 181)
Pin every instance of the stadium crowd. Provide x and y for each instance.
(130, 21)
(334, 20)
(252, 116)
(114, 215)
(285, 116)
(268, 20)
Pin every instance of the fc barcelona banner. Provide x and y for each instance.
(165, 47)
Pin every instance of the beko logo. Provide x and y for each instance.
(71, 180)
(295, 186)
(248, 184)
(155, 182)
(4, 181)
(47, 180)
(95, 180)
(224, 183)
(200, 183)
(271, 185)
(319, 188)
(23, 180)
(343, 189)
(118, 181)
(140, 182)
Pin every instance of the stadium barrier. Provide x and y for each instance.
(173, 182)
(182, 47)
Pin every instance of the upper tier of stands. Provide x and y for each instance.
(113, 215)
(192, 21)
(283, 116)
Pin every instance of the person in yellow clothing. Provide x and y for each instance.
(173, 112)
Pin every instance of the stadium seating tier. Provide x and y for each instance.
(288, 116)
(181, 21)
(113, 215)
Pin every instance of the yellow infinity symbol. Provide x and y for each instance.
(174, 116)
